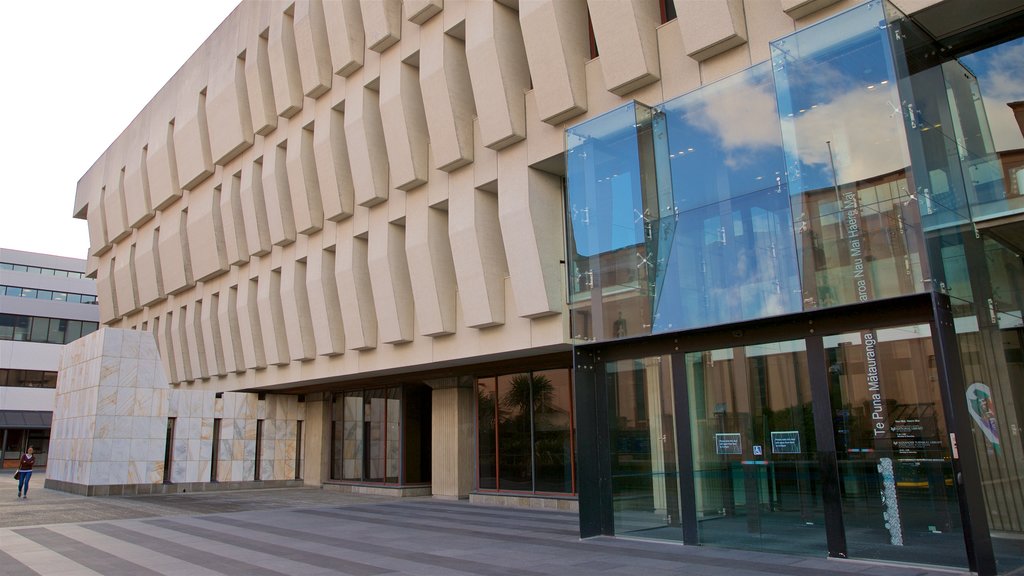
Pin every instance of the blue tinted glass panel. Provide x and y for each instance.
(858, 225)
(728, 249)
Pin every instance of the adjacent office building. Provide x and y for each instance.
(45, 302)
(729, 273)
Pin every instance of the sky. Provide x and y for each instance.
(74, 75)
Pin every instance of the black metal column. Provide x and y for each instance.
(980, 555)
(593, 470)
(824, 435)
(684, 449)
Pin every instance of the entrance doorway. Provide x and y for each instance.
(756, 475)
(833, 443)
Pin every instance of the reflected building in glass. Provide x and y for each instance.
(795, 297)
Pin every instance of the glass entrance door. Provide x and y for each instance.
(896, 479)
(757, 481)
(645, 473)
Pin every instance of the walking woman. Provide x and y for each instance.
(28, 460)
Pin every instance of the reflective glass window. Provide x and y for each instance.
(515, 457)
(73, 330)
(487, 433)
(40, 329)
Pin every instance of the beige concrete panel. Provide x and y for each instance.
(230, 335)
(209, 320)
(367, 150)
(448, 93)
(477, 251)
(206, 231)
(196, 342)
(419, 11)
(254, 209)
(324, 304)
(259, 85)
(284, 65)
(313, 48)
(409, 48)
(89, 193)
(303, 183)
(771, 23)
(382, 23)
(249, 324)
(162, 166)
(280, 218)
(352, 274)
(229, 118)
(485, 163)
(179, 341)
(711, 27)
(116, 216)
(911, 6)
(124, 287)
(330, 154)
(825, 10)
(557, 46)
(233, 220)
(396, 207)
(361, 221)
(174, 252)
(530, 211)
(498, 71)
(797, 9)
(147, 266)
(454, 17)
(271, 314)
(136, 189)
(403, 121)
(626, 37)
(298, 321)
(678, 75)
(192, 141)
(430, 262)
(344, 20)
(437, 190)
(106, 291)
(166, 344)
(725, 64)
(546, 143)
(389, 278)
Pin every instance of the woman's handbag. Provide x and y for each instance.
(17, 474)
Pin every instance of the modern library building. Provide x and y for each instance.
(728, 273)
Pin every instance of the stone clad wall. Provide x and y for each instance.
(110, 421)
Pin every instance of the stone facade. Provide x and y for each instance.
(111, 420)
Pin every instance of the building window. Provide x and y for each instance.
(259, 450)
(525, 432)
(44, 330)
(54, 295)
(28, 378)
(298, 450)
(40, 270)
(381, 435)
(168, 451)
(215, 450)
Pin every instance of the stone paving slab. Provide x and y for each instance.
(309, 531)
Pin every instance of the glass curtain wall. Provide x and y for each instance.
(525, 433)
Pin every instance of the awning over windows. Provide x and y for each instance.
(26, 419)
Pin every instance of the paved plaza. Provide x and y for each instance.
(308, 531)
